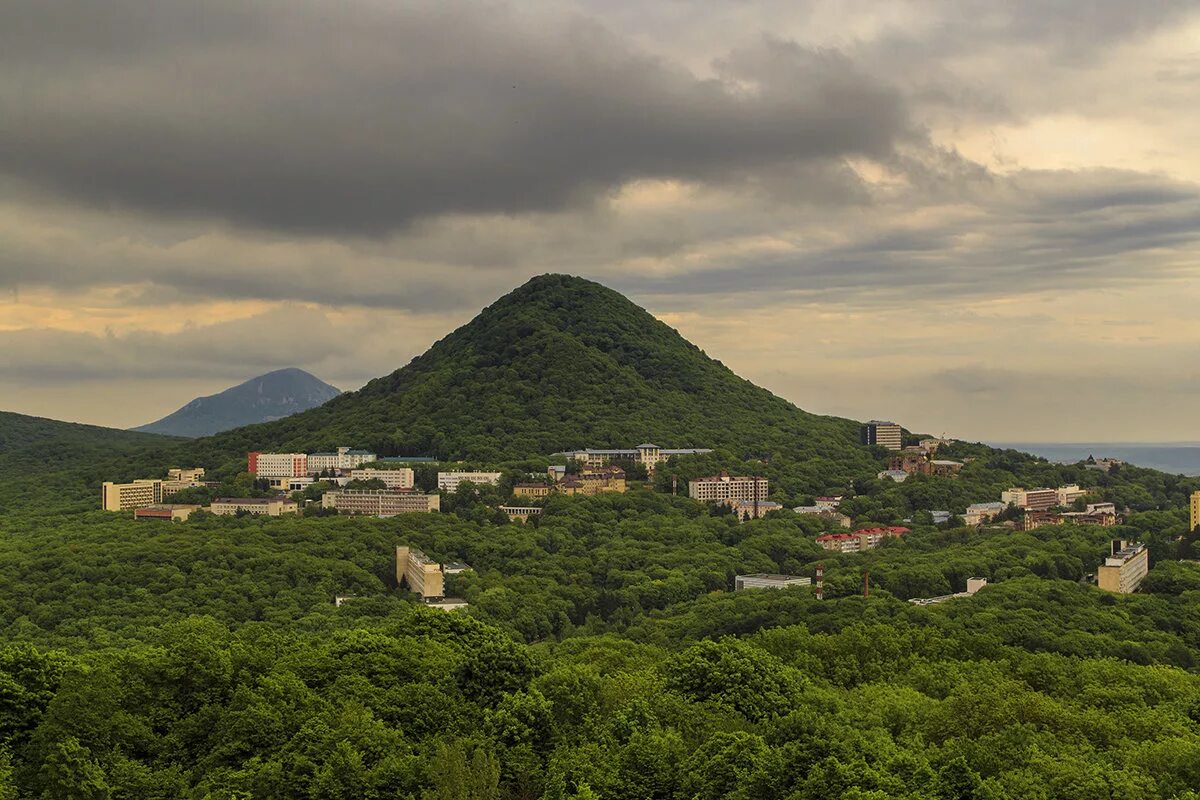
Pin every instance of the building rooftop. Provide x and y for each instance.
(768, 576)
(250, 501)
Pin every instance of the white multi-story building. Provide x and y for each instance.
(763, 580)
(343, 458)
(724, 487)
(650, 455)
(277, 465)
(392, 478)
(449, 481)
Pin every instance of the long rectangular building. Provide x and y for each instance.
(392, 478)
(449, 481)
(420, 573)
(277, 465)
(128, 496)
(724, 487)
(342, 458)
(1124, 568)
(380, 502)
(1030, 499)
(258, 506)
(650, 455)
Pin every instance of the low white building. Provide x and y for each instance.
(392, 478)
(449, 481)
(979, 513)
(765, 580)
(342, 458)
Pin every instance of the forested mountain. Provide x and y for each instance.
(268, 397)
(560, 362)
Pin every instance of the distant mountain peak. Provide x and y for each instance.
(274, 395)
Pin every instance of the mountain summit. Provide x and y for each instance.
(560, 362)
(268, 397)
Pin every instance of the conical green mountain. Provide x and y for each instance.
(558, 363)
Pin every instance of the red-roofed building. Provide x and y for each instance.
(856, 542)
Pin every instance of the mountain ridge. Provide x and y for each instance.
(264, 398)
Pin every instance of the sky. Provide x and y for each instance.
(971, 217)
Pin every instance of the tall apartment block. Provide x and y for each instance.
(882, 433)
(421, 574)
(1124, 568)
(1031, 499)
(1194, 517)
(128, 496)
(380, 502)
(725, 487)
(449, 481)
(392, 478)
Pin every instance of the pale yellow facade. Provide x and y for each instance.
(128, 496)
(421, 574)
(1194, 516)
(259, 506)
(1124, 569)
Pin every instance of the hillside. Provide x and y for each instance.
(59, 466)
(559, 363)
(268, 397)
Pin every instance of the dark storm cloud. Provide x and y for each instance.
(359, 118)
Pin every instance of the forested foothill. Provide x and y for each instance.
(604, 653)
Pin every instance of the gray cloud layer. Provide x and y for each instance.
(284, 115)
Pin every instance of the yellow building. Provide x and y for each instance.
(1195, 515)
(258, 506)
(590, 482)
(419, 572)
(531, 490)
(128, 496)
(1124, 569)
(165, 513)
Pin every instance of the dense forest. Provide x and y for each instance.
(604, 653)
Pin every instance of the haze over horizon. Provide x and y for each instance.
(974, 219)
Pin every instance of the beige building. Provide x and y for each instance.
(1066, 495)
(392, 478)
(191, 476)
(531, 490)
(1194, 515)
(753, 509)
(1032, 499)
(883, 433)
(165, 513)
(521, 513)
(979, 513)
(259, 506)
(343, 458)
(450, 481)
(420, 573)
(593, 481)
(724, 487)
(380, 502)
(128, 496)
(1124, 568)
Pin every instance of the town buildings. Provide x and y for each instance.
(128, 496)
(521, 513)
(392, 478)
(896, 475)
(342, 458)
(534, 490)
(765, 580)
(1123, 570)
(449, 481)
(828, 503)
(277, 465)
(882, 433)
(649, 455)
(593, 481)
(1102, 514)
(753, 509)
(979, 513)
(380, 502)
(864, 539)
(258, 506)
(147, 491)
(165, 513)
(1030, 499)
(724, 487)
(420, 573)
(1194, 512)
(835, 517)
(1066, 495)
